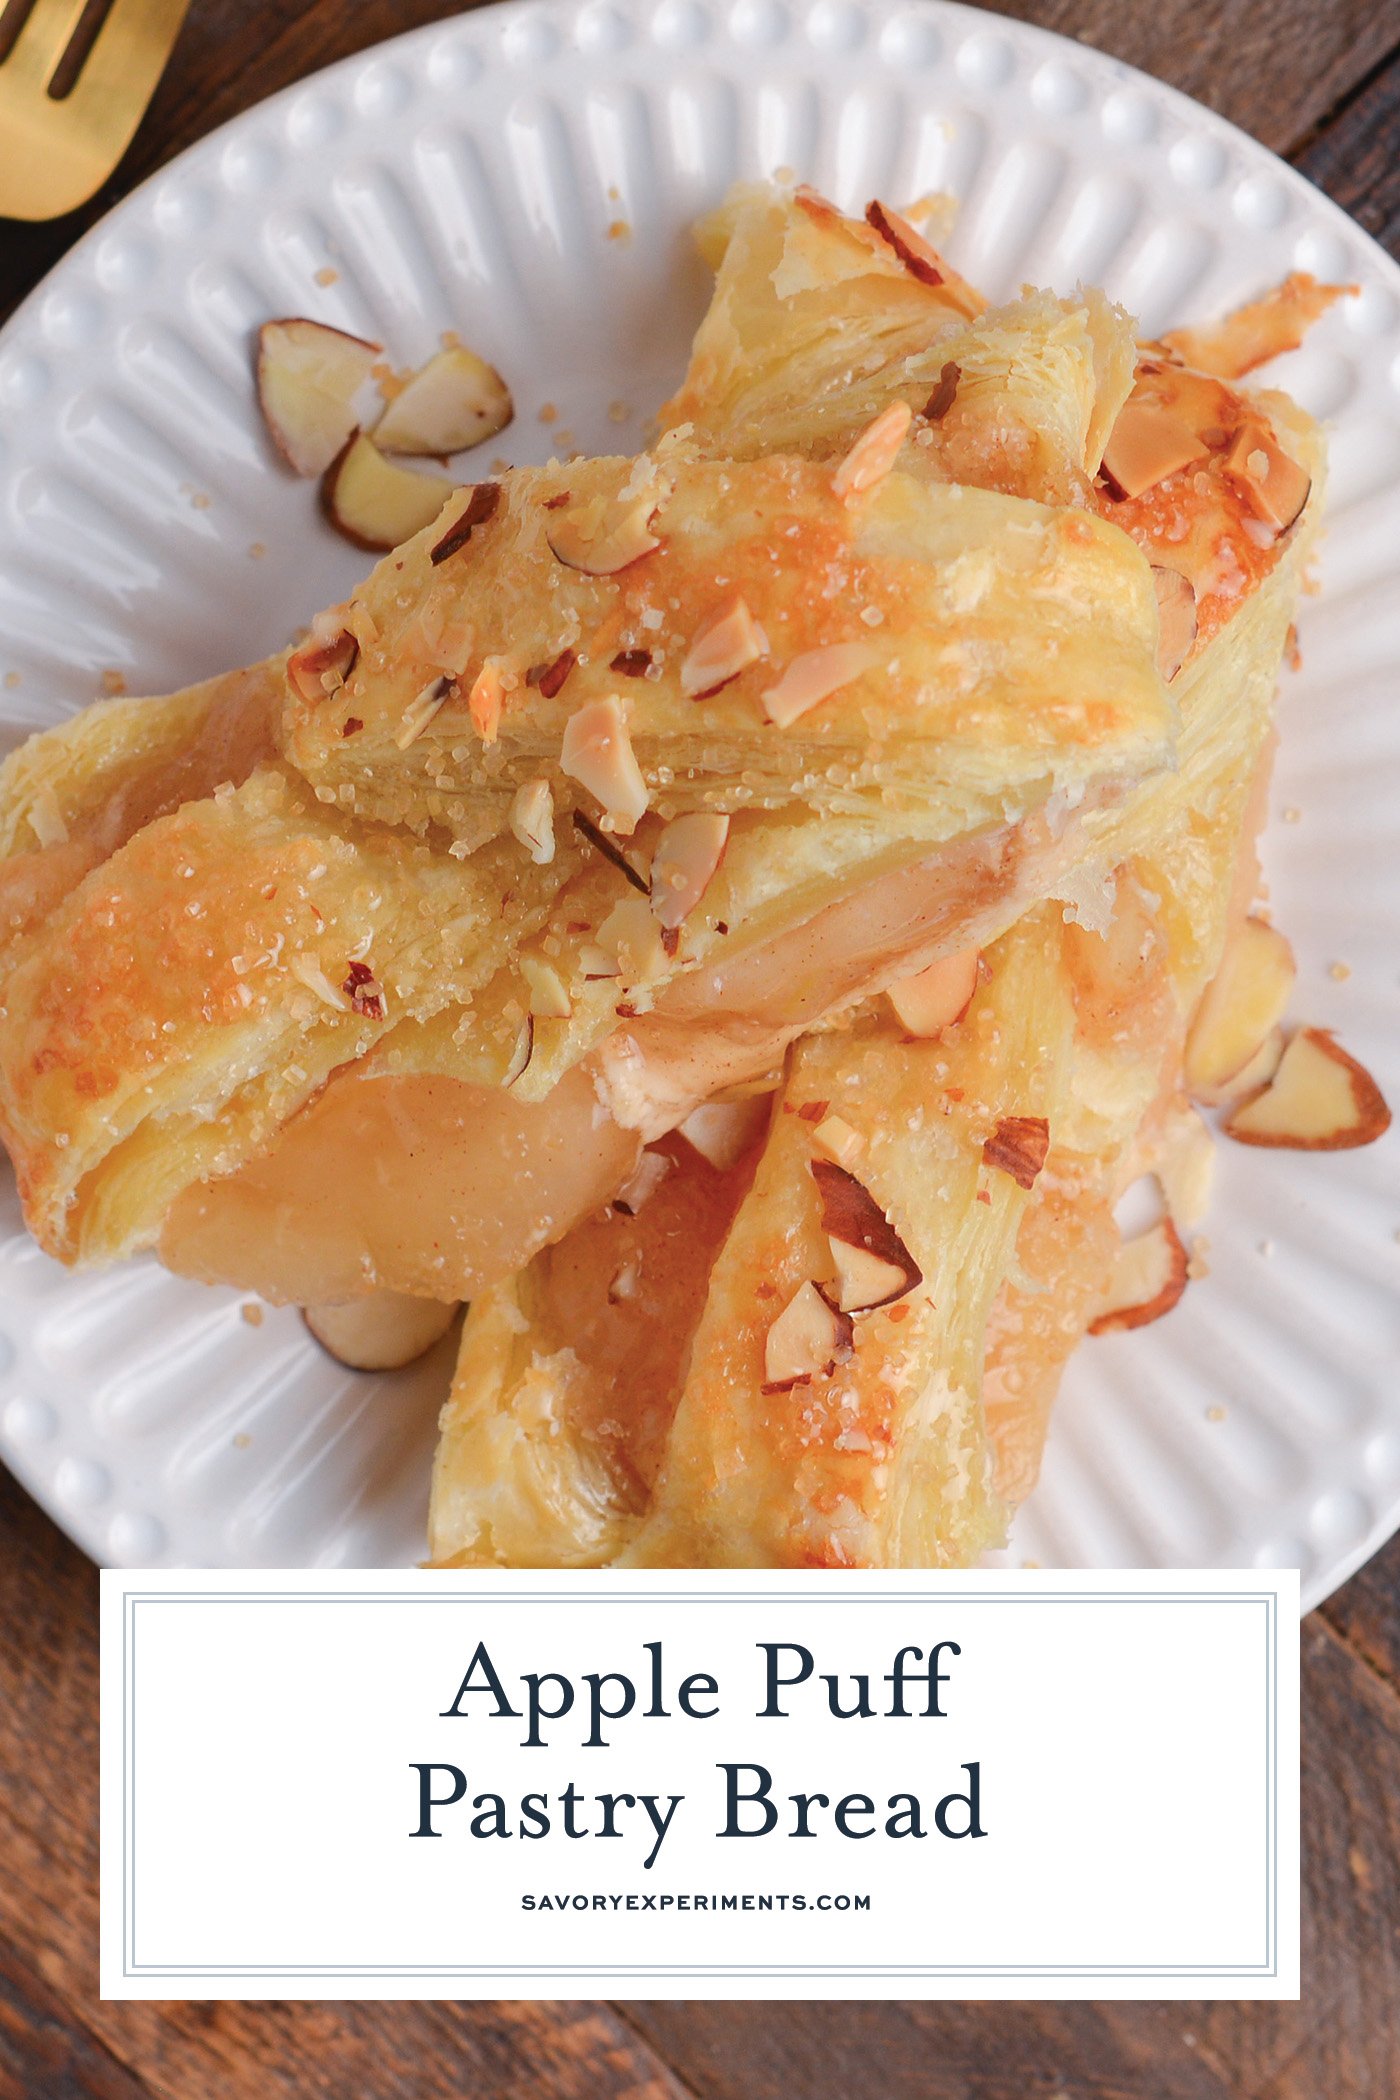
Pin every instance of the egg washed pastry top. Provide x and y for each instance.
(1031, 702)
(971, 653)
(930, 1412)
(415, 974)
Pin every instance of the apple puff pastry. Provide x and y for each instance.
(741, 915)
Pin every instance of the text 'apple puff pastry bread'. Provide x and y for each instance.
(741, 915)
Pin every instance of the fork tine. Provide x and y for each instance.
(127, 58)
(42, 41)
(54, 154)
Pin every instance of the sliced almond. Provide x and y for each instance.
(873, 1265)
(603, 545)
(873, 453)
(1257, 1072)
(308, 378)
(815, 676)
(486, 700)
(374, 503)
(1176, 619)
(454, 401)
(643, 1182)
(549, 678)
(523, 1051)
(422, 710)
(321, 667)
(724, 646)
(684, 864)
(1018, 1147)
(631, 936)
(1319, 1100)
(532, 820)
(597, 753)
(1242, 1005)
(808, 1339)
(1274, 486)
(835, 1137)
(381, 1332)
(310, 973)
(723, 1131)
(944, 394)
(599, 840)
(1148, 1278)
(1146, 444)
(918, 258)
(481, 506)
(933, 999)
(549, 995)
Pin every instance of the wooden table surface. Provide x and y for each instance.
(1319, 81)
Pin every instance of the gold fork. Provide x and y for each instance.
(57, 148)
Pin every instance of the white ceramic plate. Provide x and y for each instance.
(467, 177)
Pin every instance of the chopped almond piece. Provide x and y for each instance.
(873, 1265)
(310, 973)
(485, 701)
(1018, 1147)
(1149, 1276)
(421, 711)
(944, 394)
(599, 840)
(934, 998)
(454, 401)
(723, 1131)
(381, 1332)
(549, 995)
(1176, 619)
(815, 676)
(1274, 486)
(809, 1338)
(1242, 1005)
(605, 545)
(321, 667)
(549, 678)
(835, 1137)
(532, 820)
(725, 646)
(482, 504)
(918, 258)
(1259, 1070)
(1319, 1100)
(873, 453)
(1147, 444)
(375, 503)
(523, 1051)
(687, 856)
(634, 941)
(308, 378)
(597, 753)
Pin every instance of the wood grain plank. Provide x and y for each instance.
(45, 2054)
(1342, 2042)
(1365, 1613)
(1338, 2043)
(1276, 69)
(53, 2028)
(910, 2051)
(1356, 159)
